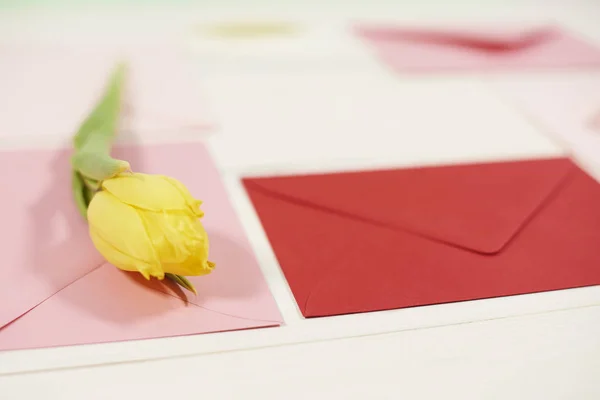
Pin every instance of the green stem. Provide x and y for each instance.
(101, 124)
(93, 141)
(99, 144)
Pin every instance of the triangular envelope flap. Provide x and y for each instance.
(109, 305)
(485, 39)
(479, 207)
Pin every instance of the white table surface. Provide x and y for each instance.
(541, 346)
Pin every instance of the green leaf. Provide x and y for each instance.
(182, 281)
(98, 130)
(80, 193)
(97, 166)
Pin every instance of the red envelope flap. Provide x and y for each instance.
(479, 207)
(483, 39)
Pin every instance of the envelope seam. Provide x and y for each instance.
(103, 263)
(309, 204)
(54, 294)
(383, 225)
(215, 311)
(550, 196)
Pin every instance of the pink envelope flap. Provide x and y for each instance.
(484, 39)
(86, 312)
(58, 85)
(467, 49)
(51, 272)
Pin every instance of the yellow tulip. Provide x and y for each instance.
(150, 224)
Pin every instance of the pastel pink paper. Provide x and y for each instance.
(594, 123)
(65, 294)
(568, 110)
(561, 50)
(48, 90)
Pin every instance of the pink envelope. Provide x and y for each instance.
(49, 89)
(57, 290)
(567, 109)
(434, 50)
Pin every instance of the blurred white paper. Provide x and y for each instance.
(568, 109)
(321, 121)
(47, 90)
(300, 46)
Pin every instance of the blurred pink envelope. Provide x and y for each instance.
(567, 109)
(49, 89)
(433, 50)
(57, 290)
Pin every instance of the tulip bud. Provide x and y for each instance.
(150, 224)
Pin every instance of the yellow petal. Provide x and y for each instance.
(180, 241)
(123, 261)
(120, 236)
(147, 192)
(192, 203)
(191, 267)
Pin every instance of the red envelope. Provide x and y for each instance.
(487, 48)
(368, 241)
